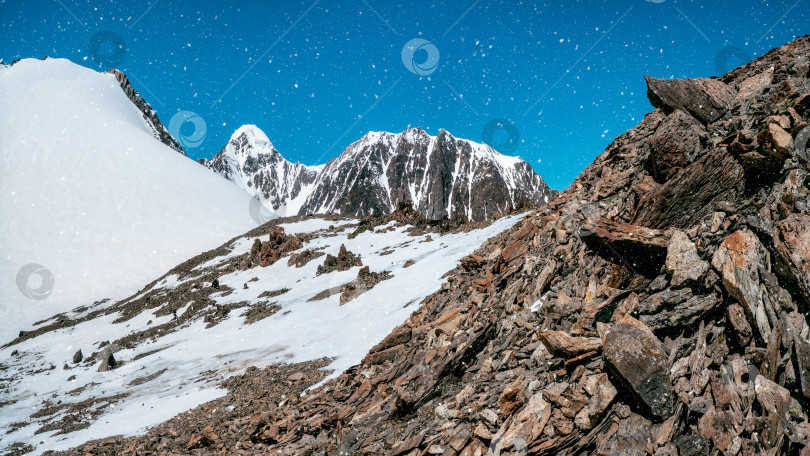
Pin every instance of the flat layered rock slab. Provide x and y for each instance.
(634, 246)
(705, 99)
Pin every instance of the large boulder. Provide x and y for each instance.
(637, 358)
(636, 247)
(705, 99)
(108, 361)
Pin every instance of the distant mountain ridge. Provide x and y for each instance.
(441, 175)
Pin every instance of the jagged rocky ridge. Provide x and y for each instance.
(657, 306)
(160, 132)
(441, 175)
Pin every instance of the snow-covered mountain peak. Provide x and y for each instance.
(251, 140)
(442, 175)
(252, 162)
(417, 135)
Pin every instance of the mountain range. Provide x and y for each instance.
(440, 175)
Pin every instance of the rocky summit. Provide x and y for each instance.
(657, 306)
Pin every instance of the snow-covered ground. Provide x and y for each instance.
(89, 194)
(185, 367)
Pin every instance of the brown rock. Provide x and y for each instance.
(682, 314)
(674, 145)
(793, 246)
(736, 315)
(602, 393)
(698, 191)
(561, 344)
(770, 395)
(737, 260)
(640, 249)
(204, 438)
(802, 105)
(753, 86)
(526, 426)
(637, 357)
(344, 260)
(722, 427)
(473, 262)
(777, 141)
(799, 332)
(512, 397)
(704, 99)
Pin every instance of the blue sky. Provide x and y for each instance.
(565, 77)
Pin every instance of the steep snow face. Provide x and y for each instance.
(251, 162)
(87, 192)
(442, 176)
(170, 366)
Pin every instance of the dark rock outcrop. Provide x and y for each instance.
(637, 357)
(265, 253)
(344, 260)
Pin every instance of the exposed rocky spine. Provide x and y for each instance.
(160, 132)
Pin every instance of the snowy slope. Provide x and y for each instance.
(171, 366)
(251, 162)
(87, 192)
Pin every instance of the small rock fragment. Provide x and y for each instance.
(683, 262)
